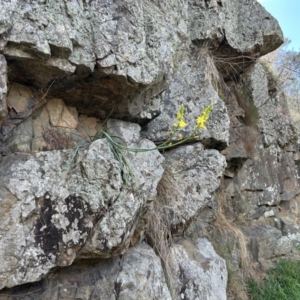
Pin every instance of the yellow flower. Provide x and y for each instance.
(180, 113)
(180, 122)
(201, 120)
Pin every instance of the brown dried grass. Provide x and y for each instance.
(159, 233)
(236, 287)
(56, 140)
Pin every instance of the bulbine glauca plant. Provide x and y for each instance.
(180, 123)
(119, 148)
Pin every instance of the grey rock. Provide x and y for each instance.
(261, 176)
(196, 173)
(129, 204)
(137, 274)
(266, 242)
(191, 87)
(20, 137)
(267, 174)
(3, 89)
(199, 272)
(284, 246)
(234, 22)
(275, 130)
(288, 177)
(58, 206)
(130, 46)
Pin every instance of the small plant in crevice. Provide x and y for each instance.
(119, 147)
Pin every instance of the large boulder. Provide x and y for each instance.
(59, 203)
(193, 175)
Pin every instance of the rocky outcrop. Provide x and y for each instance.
(100, 54)
(57, 200)
(91, 208)
(136, 275)
(261, 184)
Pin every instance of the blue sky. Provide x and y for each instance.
(287, 12)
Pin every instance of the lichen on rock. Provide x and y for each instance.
(74, 221)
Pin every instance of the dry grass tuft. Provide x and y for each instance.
(249, 136)
(251, 113)
(224, 225)
(204, 53)
(236, 287)
(57, 140)
(159, 233)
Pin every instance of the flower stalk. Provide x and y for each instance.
(200, 124)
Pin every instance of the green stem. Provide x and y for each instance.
(159, 147)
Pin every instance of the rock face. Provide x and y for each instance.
(202, 273)
(261, 183)
(58, 199)
(196, 178)
(136, 275)
(98, 54)
(89, 207)
(3, 88)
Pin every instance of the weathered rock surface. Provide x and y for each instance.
(54, 126)
(199, 272)
(194, 181)
(261, 184)
(193, 88)
(267, 242)
(275, 130)
(137, 274)
(67, 66)
(98, 53)
(58, 203)
(3, 89)
(125, 56)
(209, 21)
